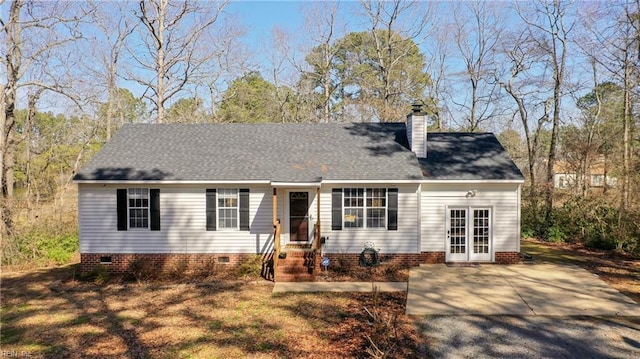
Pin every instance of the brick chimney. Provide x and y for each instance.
(417, 130)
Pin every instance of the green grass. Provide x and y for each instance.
(546, 253)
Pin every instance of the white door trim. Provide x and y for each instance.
(460, 234)
(287, 218)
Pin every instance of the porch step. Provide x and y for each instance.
(298, 266)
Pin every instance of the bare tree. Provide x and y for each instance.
(395, 26)
(323, 27)
(477, 30)
(172, 49)
(518, 81)
(230, 58)
(439, 53)
(114, 24)
(32, 31)
(549, 28)
(619, 55)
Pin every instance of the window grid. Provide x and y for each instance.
(365, 206)
(376, 207)
(481, 231)
(228, 208)
(458, 228)
(138, 199)
(353, 207)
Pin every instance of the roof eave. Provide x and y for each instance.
(514, 181)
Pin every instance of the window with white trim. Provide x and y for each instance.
(376, 207)
(227, 208)
(138, 200)
(364, 208)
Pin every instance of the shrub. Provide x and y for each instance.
(383, 330)
(142, 269)
(40, 246)
(59, 249)
(527, 233)
(532, 222)
(250, 269)
(99, 275)
(556, 235)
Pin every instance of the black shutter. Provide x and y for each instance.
(154, 196)
(392, 209)
(336, 209)
(244, 209)
(122, 209)
(211, 209)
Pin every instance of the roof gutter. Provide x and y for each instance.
(172, 182)
(444, 181)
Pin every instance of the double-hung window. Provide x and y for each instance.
(138, 199)
(376, 207)
(138, 208)
(227, 208)
(353, 207)
(365, 208)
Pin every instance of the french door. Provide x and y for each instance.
(469, 236)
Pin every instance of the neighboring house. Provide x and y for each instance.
(196, 192)
(565, 176)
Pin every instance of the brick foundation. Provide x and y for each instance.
(507, 258)
(401, 259)
(176, 262)
(432, 257)
(161, 262)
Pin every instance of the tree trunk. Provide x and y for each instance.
(13, 61)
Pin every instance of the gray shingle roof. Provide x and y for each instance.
(467, 156)
(275, 152)
(292, 153)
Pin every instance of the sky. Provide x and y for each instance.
(261, 16)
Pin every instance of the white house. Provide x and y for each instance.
(567, 176)
(193, 192)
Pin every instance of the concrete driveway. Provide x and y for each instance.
(525, 289)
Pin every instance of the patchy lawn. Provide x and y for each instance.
(46, 313)
(619, 271)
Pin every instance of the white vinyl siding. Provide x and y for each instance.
(183, 213)
(421, 220)
(351, 240)
(502, 199)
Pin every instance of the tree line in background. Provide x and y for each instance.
(557, 80)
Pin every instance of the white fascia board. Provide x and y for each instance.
(173, 182)
(296, 184)
(371, 181)
(471, 181)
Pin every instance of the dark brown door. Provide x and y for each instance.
(299, 216)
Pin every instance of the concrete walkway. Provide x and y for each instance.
(526, 289)
(282, 287)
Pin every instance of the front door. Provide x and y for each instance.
(299, 216)
(468, 234)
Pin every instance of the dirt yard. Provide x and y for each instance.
(46, 313)
(50, 313)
